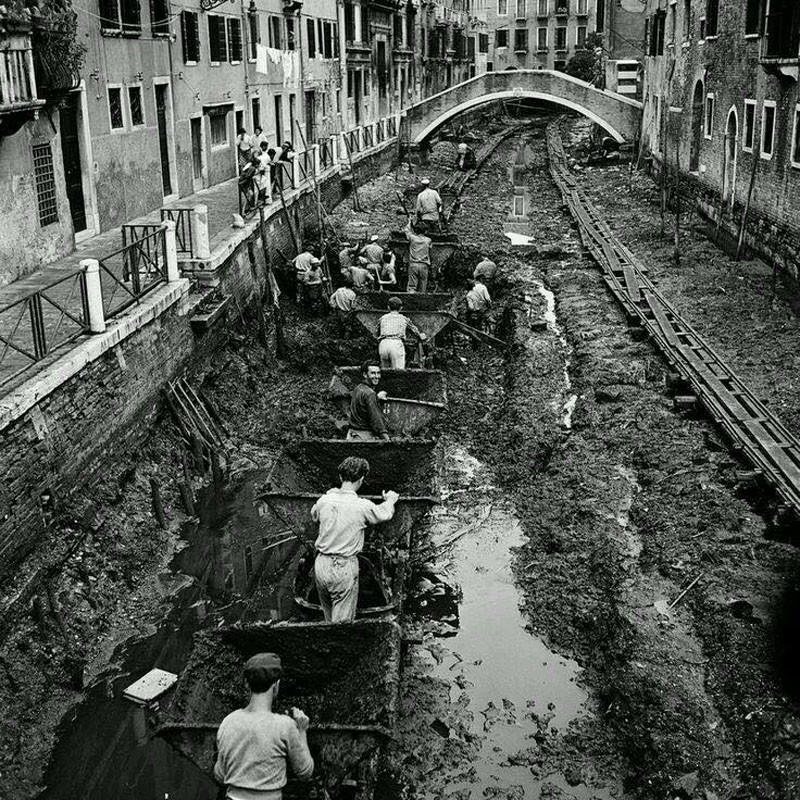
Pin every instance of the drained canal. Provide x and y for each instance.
(488, 706)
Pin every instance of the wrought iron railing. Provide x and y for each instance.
(367, 136)
(325, 152)
(137, 268)
(184, 237)
(352, 141)
(38, 322)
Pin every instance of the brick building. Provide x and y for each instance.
(531, 34)
(721, 101)
(622, 22)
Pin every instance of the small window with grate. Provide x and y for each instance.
(45, 184)
(135, 105)
(115, 112)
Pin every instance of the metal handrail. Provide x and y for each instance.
(184, 235)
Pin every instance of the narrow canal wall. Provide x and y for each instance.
(96, 404)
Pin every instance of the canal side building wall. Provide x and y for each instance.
(61, 429)
(724, 107)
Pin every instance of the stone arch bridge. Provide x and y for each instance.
(618, 115)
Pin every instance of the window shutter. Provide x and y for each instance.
(213, 38)
(159, 16)
(109, 14)
(311, 38)
(222, 41)
(234, 40)
(184, 37)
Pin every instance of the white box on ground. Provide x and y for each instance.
(150, 686)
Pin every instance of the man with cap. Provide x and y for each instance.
(486, 270)
(429, 204)
(478, 304)
(419, 258)
(372, 256)
(302, 267)
(343, 303)
(392, 329)
(255, 745)
(466, 157)
(343, 517)
(346, 257)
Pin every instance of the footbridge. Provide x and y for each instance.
(616, 114)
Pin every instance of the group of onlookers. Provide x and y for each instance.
(261, 167)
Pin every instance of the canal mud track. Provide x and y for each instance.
(593, 610)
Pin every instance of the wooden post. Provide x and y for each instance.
(722, 192)
(746, 212)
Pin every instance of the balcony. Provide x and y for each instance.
(780, 45)
(291, 6)
(19, 101)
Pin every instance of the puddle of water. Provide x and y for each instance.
(105, 748)
(513, 685)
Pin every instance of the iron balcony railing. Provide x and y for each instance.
(137, 268)
(184, 237)
(39, 321)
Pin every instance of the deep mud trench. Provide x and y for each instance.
(545, 654)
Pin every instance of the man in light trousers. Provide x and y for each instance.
(343, 517)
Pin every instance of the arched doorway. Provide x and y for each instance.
(731, 151)
(698, 102)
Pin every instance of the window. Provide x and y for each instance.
(708, 120)
(582, 7)
(335, 28)
(330, 40)
(781, 29)
(748, 136)
(502, 8)
(521, 9)
(562, 6)
(657, 26)
(275, 38)
(190, 33)
(217, 40)
(159, 17)
(687, 20)
(253, 29)
(561, 37)
(796, 138)
(255, 116)
(712, 14)
(349, 22)
(219, 129)
(580, 36)
(560, 66)
(752, 18)
(123, 16)
(501, 38)
(673, 23)
(541, 38)
(45, 183)
(289, 33)
(483, 42)
(519, 205)
(311, 38)
(702, 28)
(135, 105)
(234, 40)
(542, 8)
(768, 129)
(520, 40)
(115, 112)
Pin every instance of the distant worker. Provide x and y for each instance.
(419, 258)
(466, 157)
(347, 256)
(244, 148)
(255, 745)
(486, 270)
(392, 329)
(478, 304)
(363, 279)
(428, 208)
(366, 419)
(302, 266)
(314, 287)
(387, 276)
(343, 303)
(343, 517)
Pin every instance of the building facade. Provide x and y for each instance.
(622, 24)
(538, 34)
(721, 101)
(164, 88)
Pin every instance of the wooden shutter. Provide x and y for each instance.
(109, 14)
(159, 17)
(234, 39)
(311, 38)
(131, 16)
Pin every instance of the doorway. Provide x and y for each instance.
(71, 153)
(698, 103)
(311, 117)
(731, 152)
(278, 120)
(292, 117)
(255, 106)
(163, 137)
(196, 124)
(383, 78)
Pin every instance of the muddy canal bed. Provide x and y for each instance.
(550, 650)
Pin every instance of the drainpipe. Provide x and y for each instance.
(245, 61)
(344, 120)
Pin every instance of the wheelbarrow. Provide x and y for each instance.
(306, 470)
(443, 245)
(412, 301)
(416, 397)
(431, 323)
(344, 677)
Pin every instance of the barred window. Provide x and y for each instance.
(135, 105)
(190, 30)
(45, 183)
(115, 108)
(501, 38)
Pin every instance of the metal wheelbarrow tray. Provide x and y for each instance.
(344, 676)
(416, 397)
(443, 245)
(431, 323)
(306, 469)
(412, 301)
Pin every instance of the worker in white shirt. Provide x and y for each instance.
(428, 208)
(478, 304)
(343, 517)
(392, 328)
